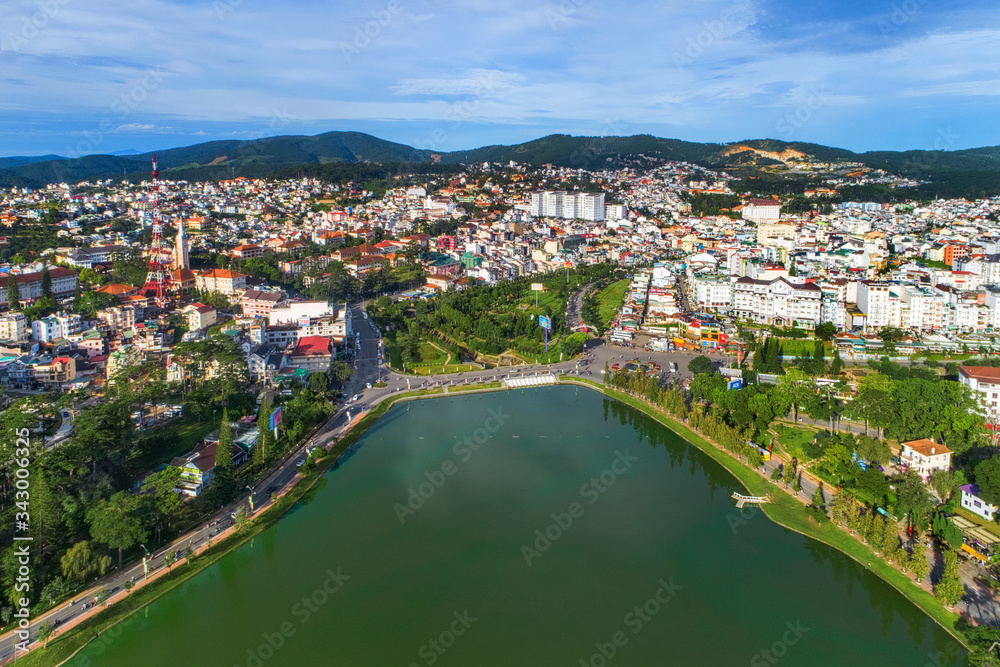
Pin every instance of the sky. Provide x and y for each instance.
(79, 77)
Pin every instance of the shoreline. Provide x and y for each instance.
(727, 461)
(339, 447)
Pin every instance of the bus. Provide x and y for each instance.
(763, 451)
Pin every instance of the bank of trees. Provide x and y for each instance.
(86, 514)
(487, 318)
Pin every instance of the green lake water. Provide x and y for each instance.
(645, 561)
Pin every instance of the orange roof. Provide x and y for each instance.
(221, 273)
(987, 373)
(927, 447)
(116, 288)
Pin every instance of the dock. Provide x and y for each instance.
(742, 500)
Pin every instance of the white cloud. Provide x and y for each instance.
(479, 82)
(135, 127)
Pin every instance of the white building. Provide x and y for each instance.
(295, 312)
(569, 206)
(777, 302)
(762, 210)
(984, 381)
(713, 294)
(972, 502)
(873, 301)
(13, 328)
(60, 325)
(924, 457)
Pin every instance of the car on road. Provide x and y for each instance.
(672, 366)
(368, 384)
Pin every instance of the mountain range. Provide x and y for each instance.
(268, 156)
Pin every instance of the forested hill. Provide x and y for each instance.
(974, 172)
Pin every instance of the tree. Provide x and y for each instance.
(170, 559)
(817, 500)
(265, 441)
(117, 522)
(129, 585)
(795, 388)
(160, 486)
(837, 364)
(988, 480)
(875, 402)
(892, 334)
(13, 292)
(45, 630)
(917, 563)
(947, 531)
(318, 382)
(101, 596)
(826, 331)
(874, 483)
(46, 281)
(944, 483)
(788, 473)
(241, 519)
(912, 498)
(224, 451)
(188, 553)
(701, 364)
(873, 451)
(949, 590)
(79, 563)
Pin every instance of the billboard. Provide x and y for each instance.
(537, 287)
(735, 383)
(275, 418)
(545, 322)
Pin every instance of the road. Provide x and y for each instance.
(368, 369)
(278, 479)
(574, 308)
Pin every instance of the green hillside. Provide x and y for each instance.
(968, 173)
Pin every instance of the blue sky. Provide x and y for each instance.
(79, 77)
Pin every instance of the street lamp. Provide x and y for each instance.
(145, 564)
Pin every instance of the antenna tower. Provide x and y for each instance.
(156, 277)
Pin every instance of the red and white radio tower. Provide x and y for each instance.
(156, 277)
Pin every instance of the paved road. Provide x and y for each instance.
(278, 480)
(574, 308)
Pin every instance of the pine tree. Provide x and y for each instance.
(817, 500)
(13, 293)
(265, 442)
(949, 589)
(837, 364)
(46, 281)
(773, 360)
(918, 565)
(224, 452)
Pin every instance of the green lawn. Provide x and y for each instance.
(609, 300)
(431, 355)
(797, 347)
(174, 439)
(438, 370)
(793, 440)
